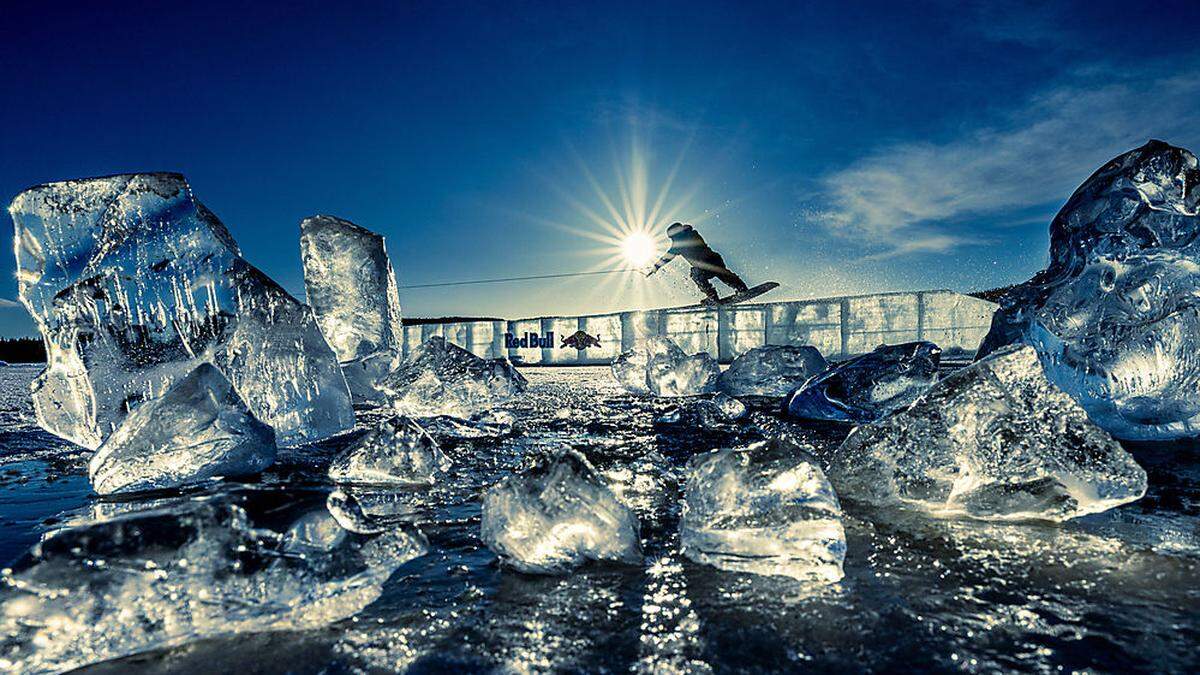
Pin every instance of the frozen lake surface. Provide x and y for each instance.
(1113, 592)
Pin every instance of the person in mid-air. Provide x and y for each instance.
(706, 263)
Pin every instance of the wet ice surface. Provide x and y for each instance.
(1109, 592)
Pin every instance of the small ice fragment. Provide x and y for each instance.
(994, 441)
(771, 370)
(199, 429)
(440, 378)
(671, 415)
(488, 424)
(556, 516)
(764, 509)
(397, 451)
(659, 367)
(729, 406)
(868, 387)
(629, 369)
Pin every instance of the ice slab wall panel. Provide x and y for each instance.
(607, 329)
(806, 323)
(839, 327)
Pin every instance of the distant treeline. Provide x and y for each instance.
(22, 350)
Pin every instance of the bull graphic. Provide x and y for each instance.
(579, 340)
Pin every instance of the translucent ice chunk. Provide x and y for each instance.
(659, 367)
(556, 516)
(199, 429)
(440, 378)
(133, 283)
(718, 411)
(764, 509)
(868, 387)
(488, 424)
(397, 451)
(729, 406)
(994, 441)
(198, 569)
(1115, 316)
(771, 370)
(350, 285)
(629, 369)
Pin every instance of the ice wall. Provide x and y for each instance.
(838, 327)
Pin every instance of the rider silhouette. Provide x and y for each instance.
(706, 263)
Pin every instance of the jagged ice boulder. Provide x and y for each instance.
(557, 516)
(350, 285)
(133, 283)
(659, 367)
(397, 451)
(190, 570)
(771, 370)
(994, 441)
(1115, 316)
(764, 509)
(868, 387)
(441, 378)
(199, 429)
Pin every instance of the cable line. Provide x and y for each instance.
(507, 279)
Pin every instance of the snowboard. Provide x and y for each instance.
(748, 294)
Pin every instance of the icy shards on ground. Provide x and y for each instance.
(1115, 316)
(397, 451)
(441, 378)
(350, 285)
(659, 367)
(557, 515)
(719, 410)
(771, 370)
(491, 424)
(868, 387)
(993, 441)
(195, 569)
(199, 429)
(765, 509)
(133, 283)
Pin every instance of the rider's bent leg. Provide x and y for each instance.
(701, 277)
(732, 280)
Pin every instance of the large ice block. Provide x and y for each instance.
(439, 378)
(771, 370)
(556, 516)
(658, 366)
(397, 451)
(133, 283)
(350, 285)
(1115, 316)
(764, 509)
(868, 387)
(188, 571)
(995, 441)
(199, 429)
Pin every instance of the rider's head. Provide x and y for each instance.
(677, 228)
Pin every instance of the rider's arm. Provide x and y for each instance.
(667, 257)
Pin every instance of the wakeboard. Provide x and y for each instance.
(748, 294)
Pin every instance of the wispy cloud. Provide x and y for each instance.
(920, 197)
(6, 303)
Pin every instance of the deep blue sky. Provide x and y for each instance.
(837, 149)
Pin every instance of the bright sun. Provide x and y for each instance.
(638, 249)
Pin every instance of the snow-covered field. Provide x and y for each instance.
(1113, 591)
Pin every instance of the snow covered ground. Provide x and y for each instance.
(1114, 591)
